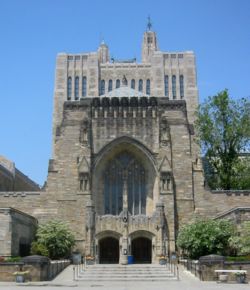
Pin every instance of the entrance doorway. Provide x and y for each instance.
(142, 250)
(109, 251)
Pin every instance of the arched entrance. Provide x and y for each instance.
(109, 250)
(142, 250)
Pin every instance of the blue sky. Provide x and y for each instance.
(34, 31)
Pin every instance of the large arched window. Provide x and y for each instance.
(69, 88)
(117, 84)
(110, 86)
(148, 87)
(124, 171)
(102, 87)
(84, 86)
(76, 88)
(174, 86)
(182, 86)
(132, 84)
(140, 86)
(166, 86)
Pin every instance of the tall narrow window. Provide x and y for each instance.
(166, 86)
(132, 84)
(148, 87)
(110, 87)
(140, 86)
(174, 86)
(76, 88)
(69, 88)
(102, 87)
(84, 86)
(117, 84)
(182, 86)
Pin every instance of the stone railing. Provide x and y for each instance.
(232, 192)
(205, 268)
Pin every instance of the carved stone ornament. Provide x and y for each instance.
(84, 181)
(166, 182)
(90, 217)
(84, 132)
(164, 133)
(124, 81)
(84, 177)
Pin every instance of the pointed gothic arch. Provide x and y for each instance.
(119, 156)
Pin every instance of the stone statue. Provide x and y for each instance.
(164, 133)
(124, 81)
(84, 132)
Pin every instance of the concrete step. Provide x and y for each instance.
(129, 270)
(125, 273)
(124, 278)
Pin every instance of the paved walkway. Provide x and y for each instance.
(65, 281)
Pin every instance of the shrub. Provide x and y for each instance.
(205, 237)
(39, 249)
(245, 238)
(53, 239)
(12, 259)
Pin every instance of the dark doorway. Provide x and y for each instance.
(109, 251)
(142, 250)
(24, 247)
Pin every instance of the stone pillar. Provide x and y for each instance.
(124, 254)
(160, 224)
(90, 230)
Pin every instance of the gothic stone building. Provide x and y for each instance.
(126, 172)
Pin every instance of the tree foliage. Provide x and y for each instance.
(53, 239)
(205, 237)
(245, 238)
(223, 129)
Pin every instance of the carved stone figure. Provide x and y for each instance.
(164, 133)
(84, 132)
(166, 185)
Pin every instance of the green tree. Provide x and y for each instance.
(53, 239)
(205, 237)
(241, 178)
(223, 130)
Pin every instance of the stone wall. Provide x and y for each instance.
(36, 271)
(12, 179)
(17, 230)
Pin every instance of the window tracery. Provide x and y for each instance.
(124, 165)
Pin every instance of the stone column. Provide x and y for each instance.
(90, 230)
(160, 223)
(124, 255)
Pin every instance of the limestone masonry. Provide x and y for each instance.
(125, 173)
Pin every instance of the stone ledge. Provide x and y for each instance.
(18, 193)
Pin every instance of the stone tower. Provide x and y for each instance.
(149, 44)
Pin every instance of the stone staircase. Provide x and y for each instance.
(136, 272)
